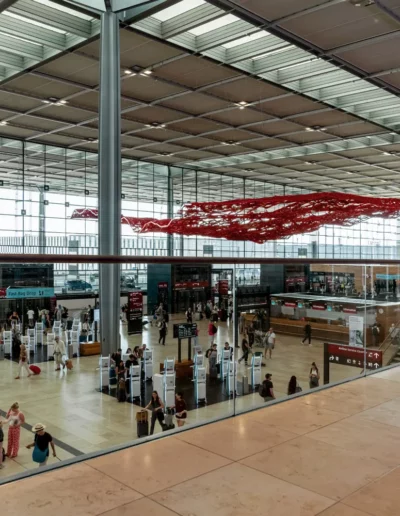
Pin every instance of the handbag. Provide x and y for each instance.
(38, 455)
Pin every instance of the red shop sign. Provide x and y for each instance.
(163, 284)
(350, 310)
(191, 284)
(318, 307)
(290, 304)
(3, 293)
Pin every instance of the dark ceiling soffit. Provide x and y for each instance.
(273, 28)
(145, 9)
(5, 4)
(80, 8)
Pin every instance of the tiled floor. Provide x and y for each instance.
(79, 416)
(334, 453)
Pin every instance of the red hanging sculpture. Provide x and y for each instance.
(260, 220)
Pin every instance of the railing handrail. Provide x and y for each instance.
(93, 258)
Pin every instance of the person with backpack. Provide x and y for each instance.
(41, 445)
(266, 389)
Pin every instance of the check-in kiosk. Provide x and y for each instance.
(225, 359)
(231, 386)
(255, 371)
(7, 339)
(104, 370)
(147, 364)
(32, 339)
(200, 384)
(169, 382)
(74, 341)
(134, 372)
(50, 346)
(57, 329)
(39, 333)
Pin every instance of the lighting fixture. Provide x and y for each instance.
(229, 142)
(3, 122)
(386, 153)
(165, 153)
(156, 125)
(310, 129)
(242, 104)
(46, 101)
(128, 72)
(63, 102)
(146, 73)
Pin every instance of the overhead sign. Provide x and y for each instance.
(31, 293)
(350, 356)
(356, 331)
(185, 331)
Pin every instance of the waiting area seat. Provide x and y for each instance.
(330, 453)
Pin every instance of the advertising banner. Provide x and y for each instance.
(356, 331)
(135, 312)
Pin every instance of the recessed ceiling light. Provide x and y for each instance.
(386, 153)
(128, 72)
(146, 73)
(3, 122)
(46, 101)
(63, 101)
(309, 129)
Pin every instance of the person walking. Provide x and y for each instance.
(157, 410)
(212, 330)
(23, 362)
(314, 376)
(15, 419)
(180, 409)
(163, 332)
(270, 339)
(59, 353)
(307, 334)
(246, 351)
(189, 315)
(41, 445)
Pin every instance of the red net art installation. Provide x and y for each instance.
(260, 220)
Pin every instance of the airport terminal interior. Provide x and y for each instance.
(199, 257)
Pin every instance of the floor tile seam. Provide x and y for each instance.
(289, 482)
(87, 463)
(372, 482)
(143, 495)
(64, 446)
(133, 501)
(363, 511)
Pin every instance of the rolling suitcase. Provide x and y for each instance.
(142, 422)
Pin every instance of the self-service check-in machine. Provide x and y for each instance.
(225, 359)
(50, 346)
(74, 342)
(7, 340)
(199, 378)
(134, 372)
(255, 371)
(57, 329)
(104, 369)
(32, 339)
(231, 386)
(147, 364)
(39, 333)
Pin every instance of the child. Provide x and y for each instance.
(1, 445)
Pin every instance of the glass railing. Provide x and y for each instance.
(195, 346)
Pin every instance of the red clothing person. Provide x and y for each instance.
(15, 419)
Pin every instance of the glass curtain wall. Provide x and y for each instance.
(42, 185)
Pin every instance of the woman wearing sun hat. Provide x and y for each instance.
(41, 445)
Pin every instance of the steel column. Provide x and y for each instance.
(170, 211)
(42, 222)
(109, 181)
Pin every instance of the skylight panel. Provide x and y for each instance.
(246, 39)
(213, 25)
(175, 10)
(59, 7)
(34, 22)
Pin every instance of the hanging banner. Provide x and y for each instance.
(135, 312)
(356, 331)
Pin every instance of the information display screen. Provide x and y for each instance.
(185, 331)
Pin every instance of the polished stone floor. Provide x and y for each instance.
(83, 420)
(330, 453)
